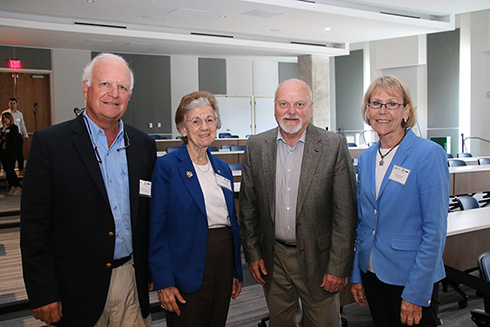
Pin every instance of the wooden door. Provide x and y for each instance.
(29, 89)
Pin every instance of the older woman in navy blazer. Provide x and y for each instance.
(403, 198)
(194, 235)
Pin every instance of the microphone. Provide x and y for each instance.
(35, 107)
(77, 111)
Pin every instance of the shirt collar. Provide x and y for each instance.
(97, 131)
(301, 139)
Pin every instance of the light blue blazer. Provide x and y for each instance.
(179, 224)
(405, 228)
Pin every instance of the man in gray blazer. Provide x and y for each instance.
(298, 212)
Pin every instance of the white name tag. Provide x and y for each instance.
(399, 174)
(145, 188)
(223, 182)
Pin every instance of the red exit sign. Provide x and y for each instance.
(15, 64)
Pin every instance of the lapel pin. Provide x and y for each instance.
(189, 174)
(219, 171)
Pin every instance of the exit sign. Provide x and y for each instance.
(15, 64)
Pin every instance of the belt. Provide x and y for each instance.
(119, 262)
(286, 243)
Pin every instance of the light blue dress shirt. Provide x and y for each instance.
(114, 169)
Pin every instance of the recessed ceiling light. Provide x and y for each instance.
(91, 1)
(327, 28)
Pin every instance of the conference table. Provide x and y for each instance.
(469, 179)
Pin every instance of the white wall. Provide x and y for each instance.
(66, 83)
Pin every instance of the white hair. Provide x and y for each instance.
(87, 72)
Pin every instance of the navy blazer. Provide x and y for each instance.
(67, 228)
(405, 227)
(179, 224)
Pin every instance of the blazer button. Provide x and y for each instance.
(375, 211)
(111, 234)
(108, 265)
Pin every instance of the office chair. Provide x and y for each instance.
(351, 144)
(237, 147)
(464, 155)
(455, 163)
(232, 136)
(235, 166)
(223, 135)
(226, 146)
(464, 203)
(213, 149)
(482, 317)
(156, 136)
(172, 149)
(248, 135)
(467, 202)
(484, 161)
(449, 156)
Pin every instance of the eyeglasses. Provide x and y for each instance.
(99, 158)
(197, 122)
(390, 105)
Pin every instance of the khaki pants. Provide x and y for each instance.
(122, 307)
(287, 287)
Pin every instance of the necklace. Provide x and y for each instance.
(382, 162)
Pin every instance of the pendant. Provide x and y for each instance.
(381, 162)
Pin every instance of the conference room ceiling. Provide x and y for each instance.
(222, 27)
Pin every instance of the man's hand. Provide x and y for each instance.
(49, 313)
(257, 267)
(332, 284)
(167, 298)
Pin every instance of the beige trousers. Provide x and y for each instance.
(288, 287)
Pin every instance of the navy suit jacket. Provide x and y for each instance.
(179, 225)
(67, 227)
(405, 227)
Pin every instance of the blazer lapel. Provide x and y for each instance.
(85, 148)
(398, 159)
(311, 156)
(270, 151)
(189, 177)
(229, 196)
(132, 160)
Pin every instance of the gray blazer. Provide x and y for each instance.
(326, 213)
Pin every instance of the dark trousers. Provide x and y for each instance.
(385, 302)
(8, 163)
(20, 153)
(208, 307)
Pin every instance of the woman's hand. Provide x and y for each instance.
(410, 313)
(358, 293)
(237, 288)
(167, 298)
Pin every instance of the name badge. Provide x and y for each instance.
(145, 188)
(399, 174)
(223, 182)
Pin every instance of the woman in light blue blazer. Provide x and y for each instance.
(194, 235)
(403, 199)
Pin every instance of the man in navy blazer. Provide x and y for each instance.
(84, 210)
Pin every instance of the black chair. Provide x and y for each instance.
(226, 146)
(467, 202)
(464, 155)
(449, 156)
(213, 149)
(484, 161)
(482, 317)
(455, 162)
(351, 144)
(172, 148)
